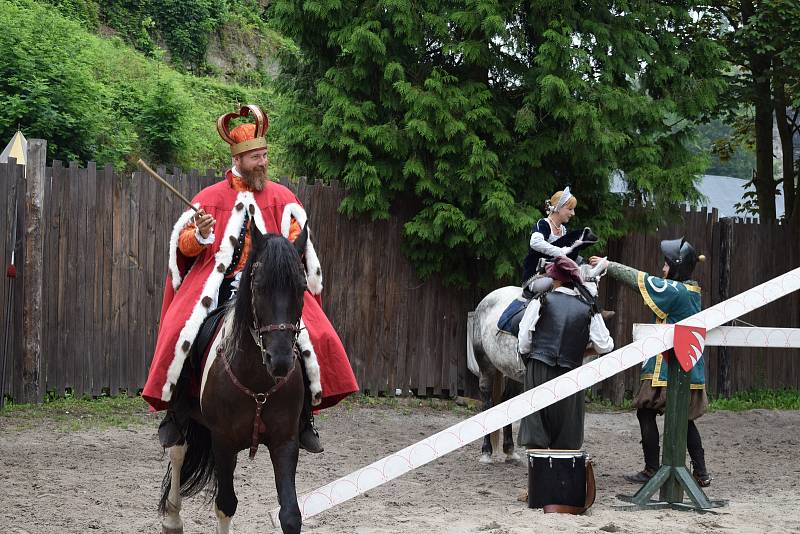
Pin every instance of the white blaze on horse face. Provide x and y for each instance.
(172, 522)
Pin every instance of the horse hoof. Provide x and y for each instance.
(513, 458)
(316, 400)
(485, 458)
(165, 530)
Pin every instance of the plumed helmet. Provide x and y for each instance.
(681, 258)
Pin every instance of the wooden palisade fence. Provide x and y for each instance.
(104, 256)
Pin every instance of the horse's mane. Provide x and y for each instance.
(281, 263)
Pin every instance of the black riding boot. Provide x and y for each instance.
(172, 430)
(698, 456)
(309, 437)
(650, 446)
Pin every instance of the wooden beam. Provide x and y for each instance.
(32, 311)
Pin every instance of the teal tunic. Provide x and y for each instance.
(671, 302)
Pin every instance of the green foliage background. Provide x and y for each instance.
(464, 115)
(95, 99)
(459, 117)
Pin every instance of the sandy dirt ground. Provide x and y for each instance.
(108, 480)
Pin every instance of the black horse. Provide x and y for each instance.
(251, 390)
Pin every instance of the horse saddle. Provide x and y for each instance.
(511, 317)
(205, 336)
(577, 239)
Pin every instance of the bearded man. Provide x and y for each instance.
(208, 250)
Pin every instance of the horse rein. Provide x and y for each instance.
(259, 426)
(258, 331)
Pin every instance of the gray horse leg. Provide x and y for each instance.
(485, 384)
(512, 390)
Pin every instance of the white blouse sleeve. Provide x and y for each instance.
(599, 335)
(540, 244)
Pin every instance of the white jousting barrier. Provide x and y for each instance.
(730, 336)
(458, 435)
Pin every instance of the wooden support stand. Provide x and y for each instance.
(672, 479)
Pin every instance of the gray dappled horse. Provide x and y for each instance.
(496, 358)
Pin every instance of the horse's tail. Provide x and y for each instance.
(473, 344)
(197, 470)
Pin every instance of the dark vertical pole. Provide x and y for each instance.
(32, 312)
(11, 274)
(723, 357)
(676, 417)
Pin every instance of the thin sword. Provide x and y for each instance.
(163, 182)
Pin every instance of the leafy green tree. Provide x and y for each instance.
(462, 116)
(731, 155)
(162, 121)
(762, 40)
(96, 99)
(47, 88)
(187, 26)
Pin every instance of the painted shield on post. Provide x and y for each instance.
(689, 343)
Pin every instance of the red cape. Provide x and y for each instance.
(193, 284)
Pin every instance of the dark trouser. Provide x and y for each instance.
(651, 442)
(560, 425)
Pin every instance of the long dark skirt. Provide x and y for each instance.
(560, 425)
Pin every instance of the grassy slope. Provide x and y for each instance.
(115, 83)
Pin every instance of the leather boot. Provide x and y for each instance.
(641, 477)
(309, 437)
(698, 456)
(172, 430)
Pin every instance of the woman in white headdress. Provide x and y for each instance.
(549, 230)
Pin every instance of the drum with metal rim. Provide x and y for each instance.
(556, 477)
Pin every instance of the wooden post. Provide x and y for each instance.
(32, 312)
(676, 417)
(723, 357)
(672, 478)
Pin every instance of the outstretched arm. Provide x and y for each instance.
(627, 275)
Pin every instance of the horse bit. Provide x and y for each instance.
(258, 332)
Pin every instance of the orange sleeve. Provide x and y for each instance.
(294, 229)
(187, 242)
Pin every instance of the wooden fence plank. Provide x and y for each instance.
(106, 272)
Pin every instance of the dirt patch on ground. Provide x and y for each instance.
(108, 480)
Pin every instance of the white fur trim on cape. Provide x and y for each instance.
(313, 266)
(182, 221)
(223, 256)
(311, 364)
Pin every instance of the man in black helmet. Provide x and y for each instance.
(672, 298)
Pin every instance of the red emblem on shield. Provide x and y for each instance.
(689, 343)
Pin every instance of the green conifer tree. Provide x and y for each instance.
(462, 116)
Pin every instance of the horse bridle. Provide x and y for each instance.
(258, 331)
